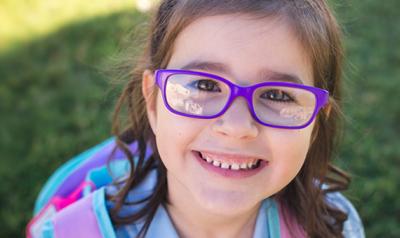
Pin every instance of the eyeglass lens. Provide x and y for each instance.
(275, 105)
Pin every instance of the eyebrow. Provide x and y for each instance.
(264, 74)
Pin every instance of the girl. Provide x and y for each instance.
(239, 103)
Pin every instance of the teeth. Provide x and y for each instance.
(233, 166)
(225, 166)
(216, 163)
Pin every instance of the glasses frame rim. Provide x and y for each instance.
(162, 75)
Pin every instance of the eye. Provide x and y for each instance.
(207, 85)
(277, 95)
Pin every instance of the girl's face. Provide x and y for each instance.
(245, 51)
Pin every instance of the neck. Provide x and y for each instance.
(192, 221)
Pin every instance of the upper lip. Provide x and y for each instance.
(233, 156)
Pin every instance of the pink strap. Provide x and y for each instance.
(68, 224)
(289, 228)
(60, 202)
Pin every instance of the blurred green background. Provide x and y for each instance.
(56, 99)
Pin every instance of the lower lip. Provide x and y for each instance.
(228, 172)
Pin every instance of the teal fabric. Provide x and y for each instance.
(102, 216)
(272, 218)
(104, 175)
(48, 230)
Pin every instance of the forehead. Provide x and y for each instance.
(241, 48)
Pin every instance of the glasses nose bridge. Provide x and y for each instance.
(245, 92)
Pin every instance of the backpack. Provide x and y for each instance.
(76, 179)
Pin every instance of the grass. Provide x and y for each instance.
(55, 101)
(371, 147)
(21, 21)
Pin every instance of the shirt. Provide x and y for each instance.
(162, 226)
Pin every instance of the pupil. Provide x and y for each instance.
(277, 94)
(207, 85)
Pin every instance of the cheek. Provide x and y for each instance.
(174, 135)
(289, 152)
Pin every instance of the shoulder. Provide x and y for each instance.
(353, 226)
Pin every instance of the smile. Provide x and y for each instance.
(231, 166)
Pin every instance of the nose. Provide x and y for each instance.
(237, 122)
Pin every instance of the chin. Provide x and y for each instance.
(226, 203)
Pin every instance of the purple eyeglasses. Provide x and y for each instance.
(275, 104)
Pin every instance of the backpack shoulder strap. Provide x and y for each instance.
(86, 218)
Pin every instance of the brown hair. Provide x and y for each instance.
(318, 31)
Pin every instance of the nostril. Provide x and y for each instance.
(236, 127)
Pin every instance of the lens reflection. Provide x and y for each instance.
(284, 106)
(196, 95)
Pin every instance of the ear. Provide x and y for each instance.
(148, 90)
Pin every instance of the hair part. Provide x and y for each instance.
(318, 32)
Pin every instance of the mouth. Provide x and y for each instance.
(230, 165)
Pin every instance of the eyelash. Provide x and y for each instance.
(285, 95)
